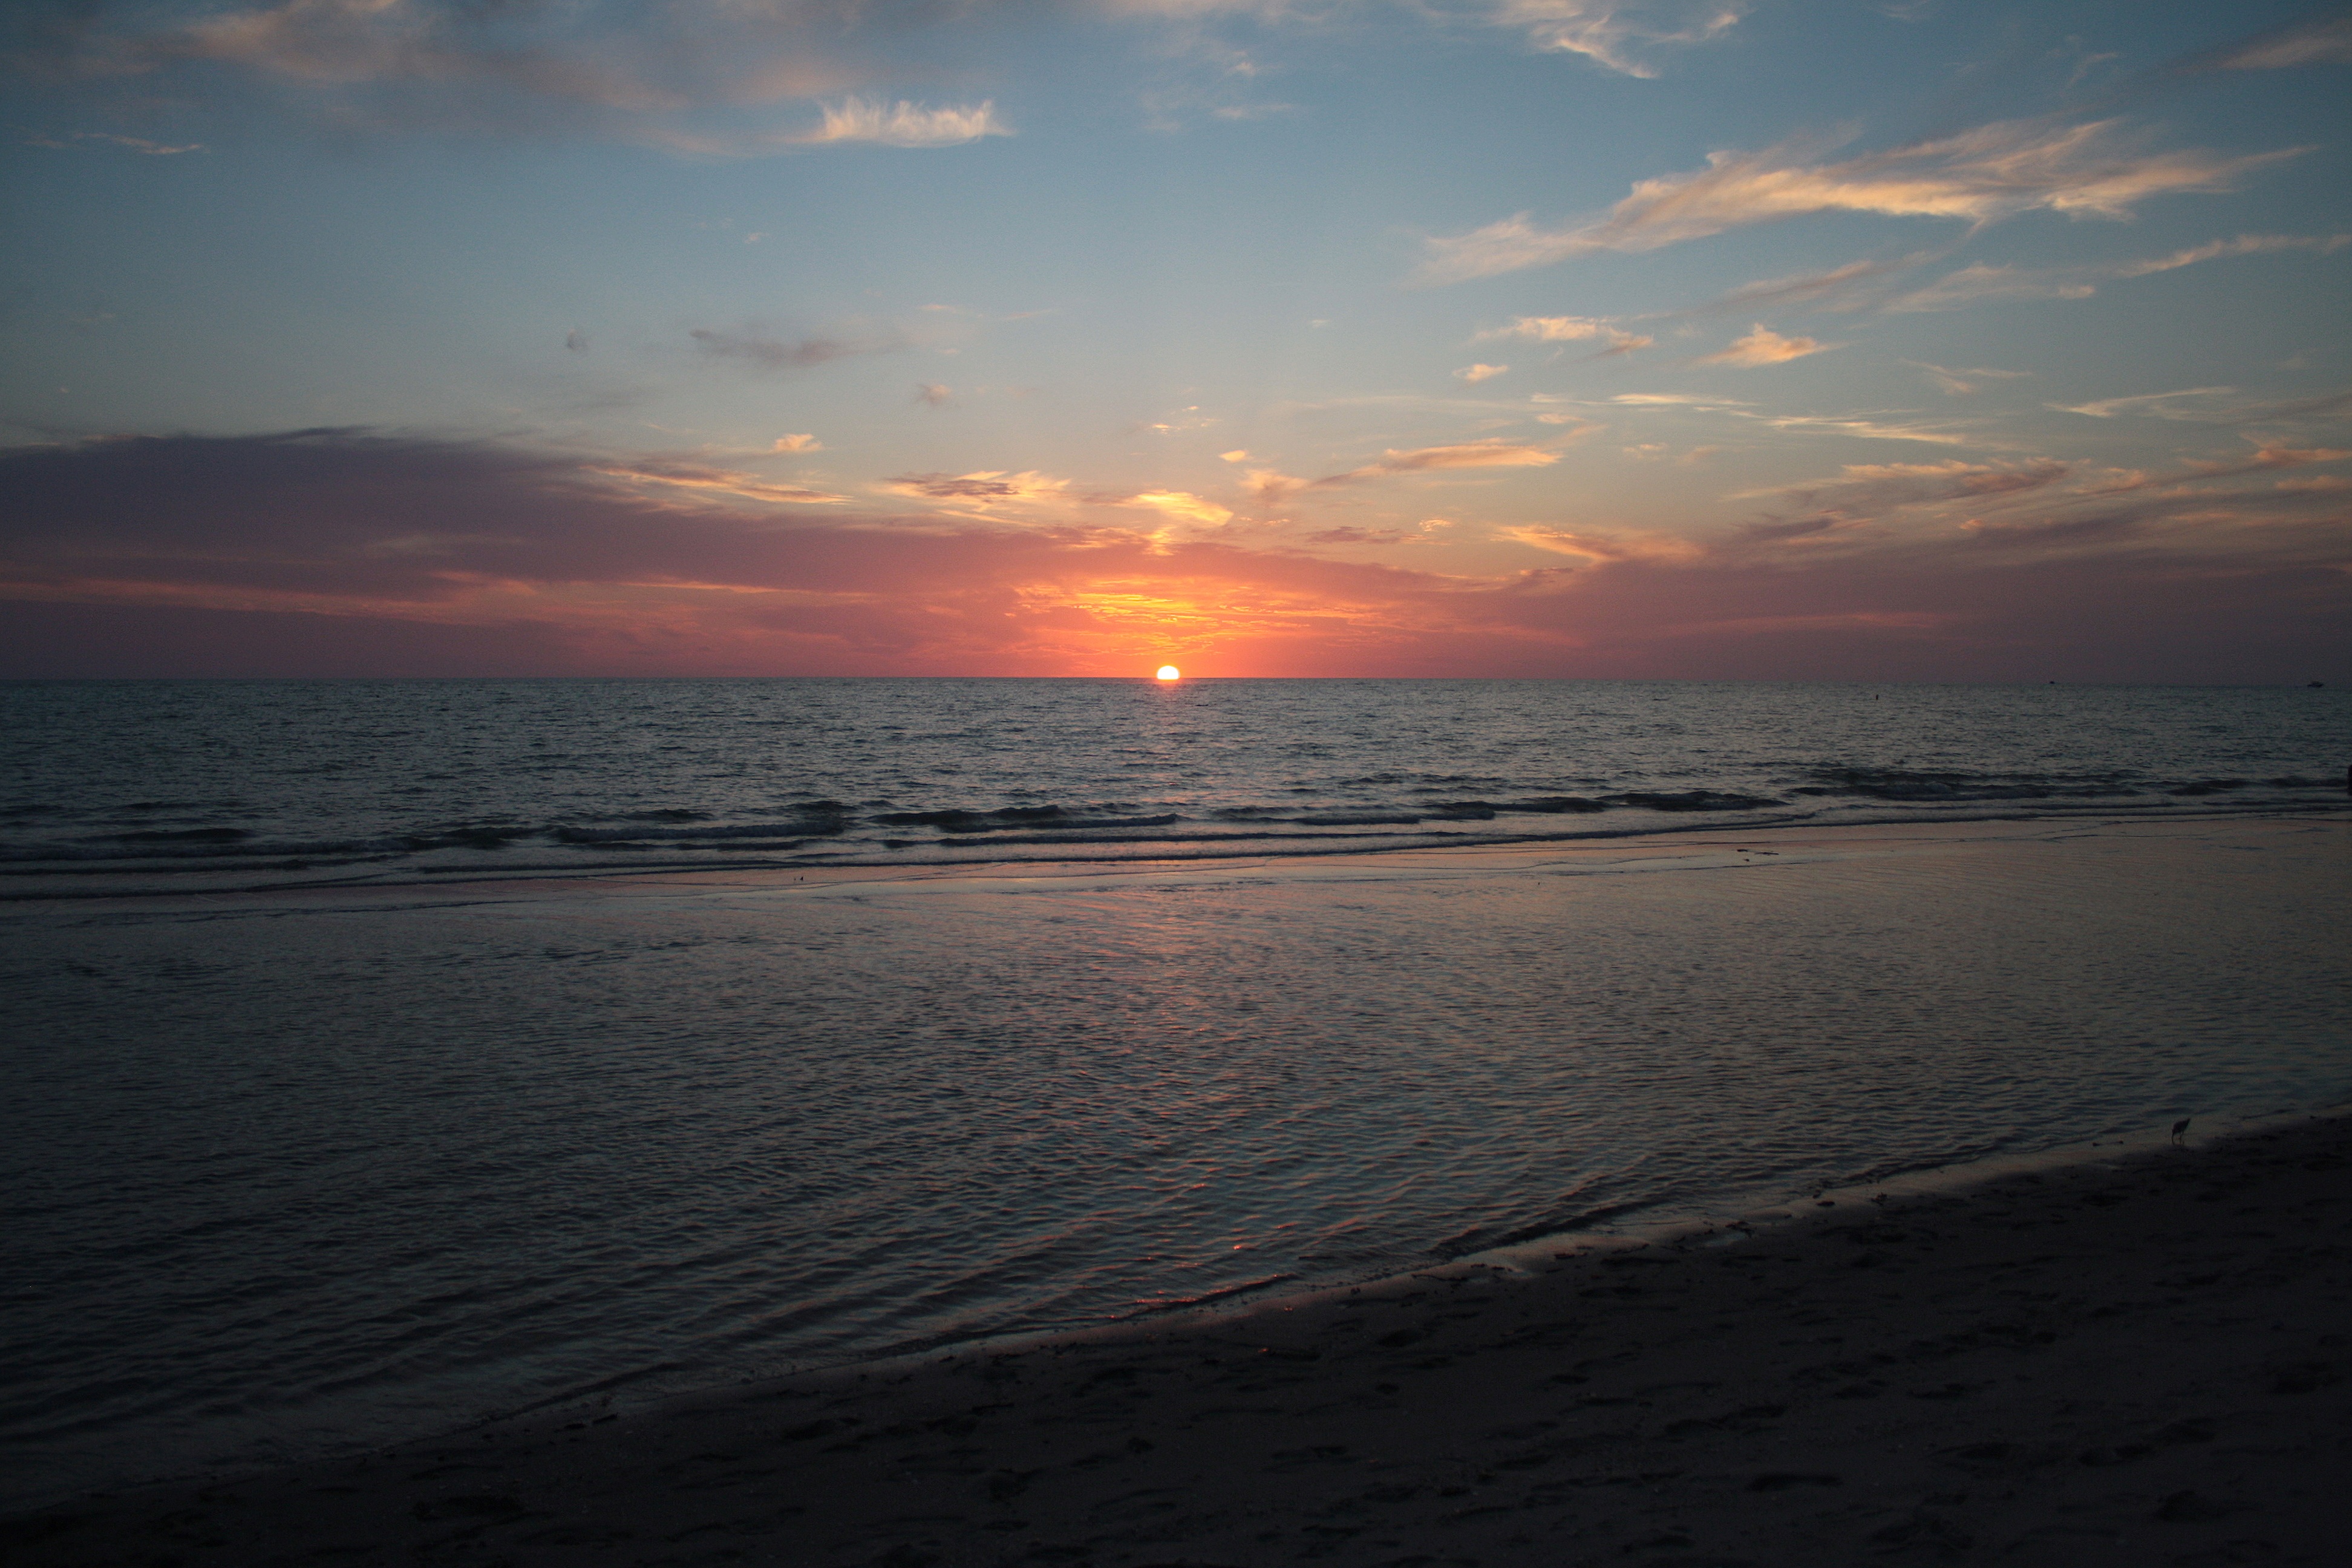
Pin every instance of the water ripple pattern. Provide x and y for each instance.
(114, 784)
(305, 1168)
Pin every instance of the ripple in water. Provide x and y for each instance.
(291, 1174)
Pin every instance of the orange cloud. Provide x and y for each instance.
(1764, 346)
(1569, 329)
(314, 553)
(1978, 176)
(1488, 454)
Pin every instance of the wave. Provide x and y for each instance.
(1410, 809)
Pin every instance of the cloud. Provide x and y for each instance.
(2269, 455)
(1487, 453)
(1956, 382)
(1838, 285)
(797, 444)
(1864, 428)
(341, 551)
(1183, 506)
(1612, 34)
(1981, 282)
(1356, 536)
(1474, 374)
(987, 485)
(1764, 346)
(1673, 400)
(932, 394)
(1979, 176)
(1868, 492)
(689, 76)
(1615, 35)
(2327, 42)
(616, 60)
(1655, 549)
(138, 145)
(694, 77)
(757, 348)
(713, 482)
(2156, 405)
(1569, 329)
(1272, 488)
(1874, 425)
(904, 125)
(1238, 454)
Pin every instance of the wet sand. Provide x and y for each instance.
(2130, 1359)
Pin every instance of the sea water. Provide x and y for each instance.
(385, 1055)
(214, 783)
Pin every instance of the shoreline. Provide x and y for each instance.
(2138, 1355)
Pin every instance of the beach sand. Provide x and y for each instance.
(2129, 1359)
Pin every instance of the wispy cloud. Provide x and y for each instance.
(1272, 487)
(1570, 329)
(1879, 424)
(2268, 455)
(1474, 374)
(1869, 491)
(1764, 346)
(1978, 176)
(710, 483)
(1981, 282)
(1621, 35)
(1673, 400)
(1181, 506)
(1859, 426)
(2312, 43)
(802, 443)
(1837, 285)
(1632, 548)
(680, 76)
(1962, 382)
(139, 145)
(1489, 454)
(904, 125)
(1616, 34)
(763, 351)
(986, 487)
(2190, 403)
(216, 555)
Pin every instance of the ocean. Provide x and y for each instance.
(186, 785)
(386, 1055)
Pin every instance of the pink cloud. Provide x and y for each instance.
(341, 552)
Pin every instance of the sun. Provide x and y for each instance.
(1170, 672)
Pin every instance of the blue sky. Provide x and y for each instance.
(1535, 337)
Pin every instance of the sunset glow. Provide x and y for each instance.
(902, 369)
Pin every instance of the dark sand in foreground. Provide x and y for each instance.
(2133, 1360)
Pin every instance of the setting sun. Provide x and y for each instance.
(1170, 672)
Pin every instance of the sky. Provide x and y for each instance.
(1646, 339)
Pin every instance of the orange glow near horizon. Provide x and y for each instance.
(1170, 672)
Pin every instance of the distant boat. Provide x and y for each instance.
(2315, 685)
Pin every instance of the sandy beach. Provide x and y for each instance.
(2127, 1358)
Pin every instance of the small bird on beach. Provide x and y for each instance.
(2180, 1127)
